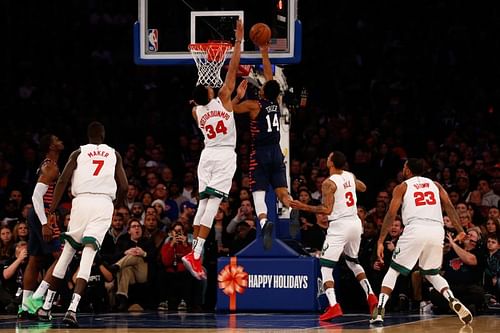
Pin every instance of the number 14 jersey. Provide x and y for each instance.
(217, 124)
(421, 201)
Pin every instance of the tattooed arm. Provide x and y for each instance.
(328, 189)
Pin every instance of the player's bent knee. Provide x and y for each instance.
(326, 274)
(390, 278)
(354, 267)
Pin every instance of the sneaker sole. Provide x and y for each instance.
(268, 235)
(376, 321)
(467, 319)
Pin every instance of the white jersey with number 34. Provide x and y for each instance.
(217, 124)
(95, 171)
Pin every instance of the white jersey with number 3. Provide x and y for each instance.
(95, 171)
(345, 196)
(421, 201)
(217, 124)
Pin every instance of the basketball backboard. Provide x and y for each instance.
(165, 28)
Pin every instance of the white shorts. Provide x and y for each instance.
(343, 236)
(421, 241)
(216, 169)
(90, 219)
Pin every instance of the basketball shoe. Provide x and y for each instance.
(267, 235)
(372, 302)
(463, 313)
(378, 316)
(194, 266)
(332, 312)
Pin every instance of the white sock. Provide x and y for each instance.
(382, 300)
(26, 294)
(49, 299)
(448, 294)
(41, 290)
(199, 248)
(74, 302)
(330, 294)
(262, 222)
(365, 284)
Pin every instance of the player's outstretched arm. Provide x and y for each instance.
(328, 189)
(396, 201)
(230, 81)
(450, 211)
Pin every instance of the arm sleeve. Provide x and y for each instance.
(37, 198)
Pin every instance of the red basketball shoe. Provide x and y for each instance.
(194, 266)
(332, 312)
(372, 302)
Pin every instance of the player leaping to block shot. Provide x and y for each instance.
(217, 164)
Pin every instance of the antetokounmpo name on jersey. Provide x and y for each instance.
(211, 114)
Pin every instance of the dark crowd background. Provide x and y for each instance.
(385, 80)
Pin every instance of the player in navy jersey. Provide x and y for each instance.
(267, 166)
(43, 245)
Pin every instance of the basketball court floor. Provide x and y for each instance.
(146, 322)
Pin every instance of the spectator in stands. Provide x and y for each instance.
(494, 213)
(11, 272)
(146, 198)
(312, 236)
(20, 232)
(171, 209)
(7, 245)
(463, 268)
(245, 212)
(132, 194)
(245, 233)
(492, 272)
(493, 226)
(133, 251)
(463, 187)
(177, 282)
(488, 197)
(137, 211)
(159, 206)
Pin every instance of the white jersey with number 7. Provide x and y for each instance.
(95, 171)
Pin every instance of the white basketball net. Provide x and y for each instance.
(209, 59)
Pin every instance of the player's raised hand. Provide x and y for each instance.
(242, 88)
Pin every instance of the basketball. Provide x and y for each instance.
(260, 34)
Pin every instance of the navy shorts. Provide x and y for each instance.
(36, 245)
(267, 167)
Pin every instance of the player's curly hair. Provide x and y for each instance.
(45, 142)
(339, 160)
(416, 166)
(200, 95)
(272, 90)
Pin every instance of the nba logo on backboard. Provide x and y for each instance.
(153, 40)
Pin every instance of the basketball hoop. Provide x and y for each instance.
(209, 58)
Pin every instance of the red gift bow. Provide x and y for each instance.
(233, 279)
